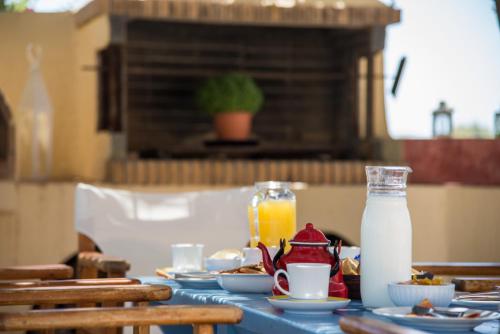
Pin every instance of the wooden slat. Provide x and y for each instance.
(459, 268)
(47, 271)
(358, 325)
(71, 282)
(119, 317)
(83, 294)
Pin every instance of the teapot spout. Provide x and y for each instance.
(266, 259)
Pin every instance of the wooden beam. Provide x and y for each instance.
(46, 271)
(459, 268)
(84, 294)
(119, 317)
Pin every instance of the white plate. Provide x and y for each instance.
(489, 304)
(400, 316)
(301, 306)
(246, 283)
(198, 283)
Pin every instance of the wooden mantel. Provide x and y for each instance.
(299, 13)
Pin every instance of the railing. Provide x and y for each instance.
(235, 172)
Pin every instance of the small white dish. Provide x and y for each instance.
(400, 315)
(410, 295)
(303, 306)
(246, 283)
(222, 264)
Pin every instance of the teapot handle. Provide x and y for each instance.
(280, 252)
(335, 269)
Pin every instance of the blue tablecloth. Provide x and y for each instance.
(261, 317)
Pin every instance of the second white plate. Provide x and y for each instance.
(400, 316)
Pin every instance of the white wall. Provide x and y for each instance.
(450, 223)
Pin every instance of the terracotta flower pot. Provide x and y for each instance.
(233, 125)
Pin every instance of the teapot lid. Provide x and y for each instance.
(310, 237)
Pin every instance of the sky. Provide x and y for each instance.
(453, 54)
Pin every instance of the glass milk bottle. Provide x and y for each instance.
(385, 234)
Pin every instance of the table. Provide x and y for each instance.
(261, 317)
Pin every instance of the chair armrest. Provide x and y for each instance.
(118, 317)
(358, 325)
(47, 271)
(84, 294)
(459, 268)
(112, 266)
(71, 282)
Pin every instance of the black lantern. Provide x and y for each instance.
(497, 124)
(442, 125)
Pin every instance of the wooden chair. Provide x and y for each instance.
(201, 317)
(89, 292)
(358, 325)
(48, 295)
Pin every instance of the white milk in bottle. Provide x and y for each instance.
(385, 234)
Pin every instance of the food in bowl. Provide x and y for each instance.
(250, 269)
(412, 294)
(416, 280)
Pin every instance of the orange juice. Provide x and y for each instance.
(276, 220)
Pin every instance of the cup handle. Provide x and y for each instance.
(276, 282)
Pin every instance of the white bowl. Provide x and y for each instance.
(246, 283)
(222, 264)
(410, 295)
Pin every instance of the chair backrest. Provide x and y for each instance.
(81, 293)
(140, 227)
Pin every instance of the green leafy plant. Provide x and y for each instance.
(232, 92)
(14, 6)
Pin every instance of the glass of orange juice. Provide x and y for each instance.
(271, 213)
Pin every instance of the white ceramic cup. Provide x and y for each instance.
(187, 257)
(305, 280)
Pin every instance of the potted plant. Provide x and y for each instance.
(231, 99)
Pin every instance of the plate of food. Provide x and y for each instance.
(427, 317)
(246, 279)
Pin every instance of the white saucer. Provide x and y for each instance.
(489, 304)
(301, 306)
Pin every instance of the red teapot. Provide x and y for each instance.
(308, 246)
